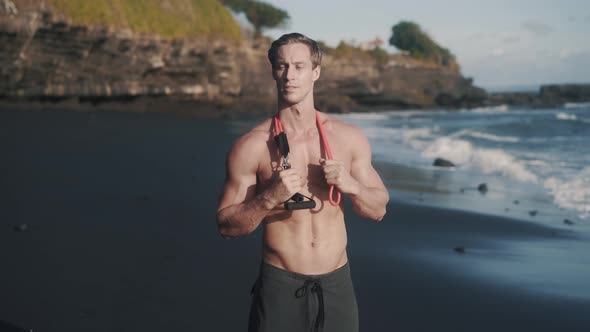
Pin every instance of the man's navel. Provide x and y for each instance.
(315, 241)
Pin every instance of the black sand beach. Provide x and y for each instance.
(107, 223)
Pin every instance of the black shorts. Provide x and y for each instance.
(287, 301)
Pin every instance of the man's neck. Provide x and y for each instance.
(298, 118)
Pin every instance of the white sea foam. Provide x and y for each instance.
(488, 161)
(405, 135)
(576, 105)
(565, 116)
(365, 116)
(492, 109)
(538, 163)
(573, 193)
(421, 113)
(498, 161)
(457, 151)
(552, 139)
(410, 134)
(489, 137)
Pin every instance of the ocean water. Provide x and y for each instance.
(535, 162)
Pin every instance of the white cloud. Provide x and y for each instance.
(537, 28)
(511, 39)
(476, 36)
(566, 53)
(498, 52)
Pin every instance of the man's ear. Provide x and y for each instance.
(316, 72)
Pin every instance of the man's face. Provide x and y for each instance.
(294, 74)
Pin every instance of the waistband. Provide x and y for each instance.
(340, 274)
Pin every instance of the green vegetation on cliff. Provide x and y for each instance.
(260, 14)
(408, 36)
(167, 18)
(347, 51)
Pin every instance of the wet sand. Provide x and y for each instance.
(120, 235)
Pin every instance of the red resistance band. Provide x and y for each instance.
(279, 129)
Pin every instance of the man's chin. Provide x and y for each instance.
(291, 99)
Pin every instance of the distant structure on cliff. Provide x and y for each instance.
(371, 44)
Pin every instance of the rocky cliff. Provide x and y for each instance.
(550, 95)
(399, 83)
(46, 57)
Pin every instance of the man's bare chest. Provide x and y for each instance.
(305, 154)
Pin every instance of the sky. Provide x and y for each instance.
(501, 43)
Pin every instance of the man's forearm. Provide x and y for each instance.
(370, 202)
(242, 219)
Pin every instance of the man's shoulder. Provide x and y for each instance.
(345, 133)
(254, 140)
(343, 129)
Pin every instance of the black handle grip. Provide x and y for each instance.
(282, 143)
(299, 205)
(297, 197)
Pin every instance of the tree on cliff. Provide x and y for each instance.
(260, 14)
(408, 36)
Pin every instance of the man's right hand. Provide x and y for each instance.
(286, 184)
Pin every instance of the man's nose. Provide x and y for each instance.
(289, 73)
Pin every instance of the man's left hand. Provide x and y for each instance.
(336, 174)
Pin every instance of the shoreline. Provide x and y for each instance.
(145, 105)
(548, 96)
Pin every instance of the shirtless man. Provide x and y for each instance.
(304, 281)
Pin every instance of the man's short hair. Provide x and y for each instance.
(293, 38)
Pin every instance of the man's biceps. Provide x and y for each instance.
(360, 167)
(367, 175)
(375, 178)
(242, 183)
(237, 193)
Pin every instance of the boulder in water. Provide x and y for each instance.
(21, 228)
(440, 162)
(483, 188)
(460, 250)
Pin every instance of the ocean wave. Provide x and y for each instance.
(488, 161)
(565, 116)
(540, 159)
(492, 109)
(382, 133)
(406, 135)
(537, 163)
(489, 137)
(573, 193)
(365, 116)
(577, 105)
(547, 139)
(425, 132)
